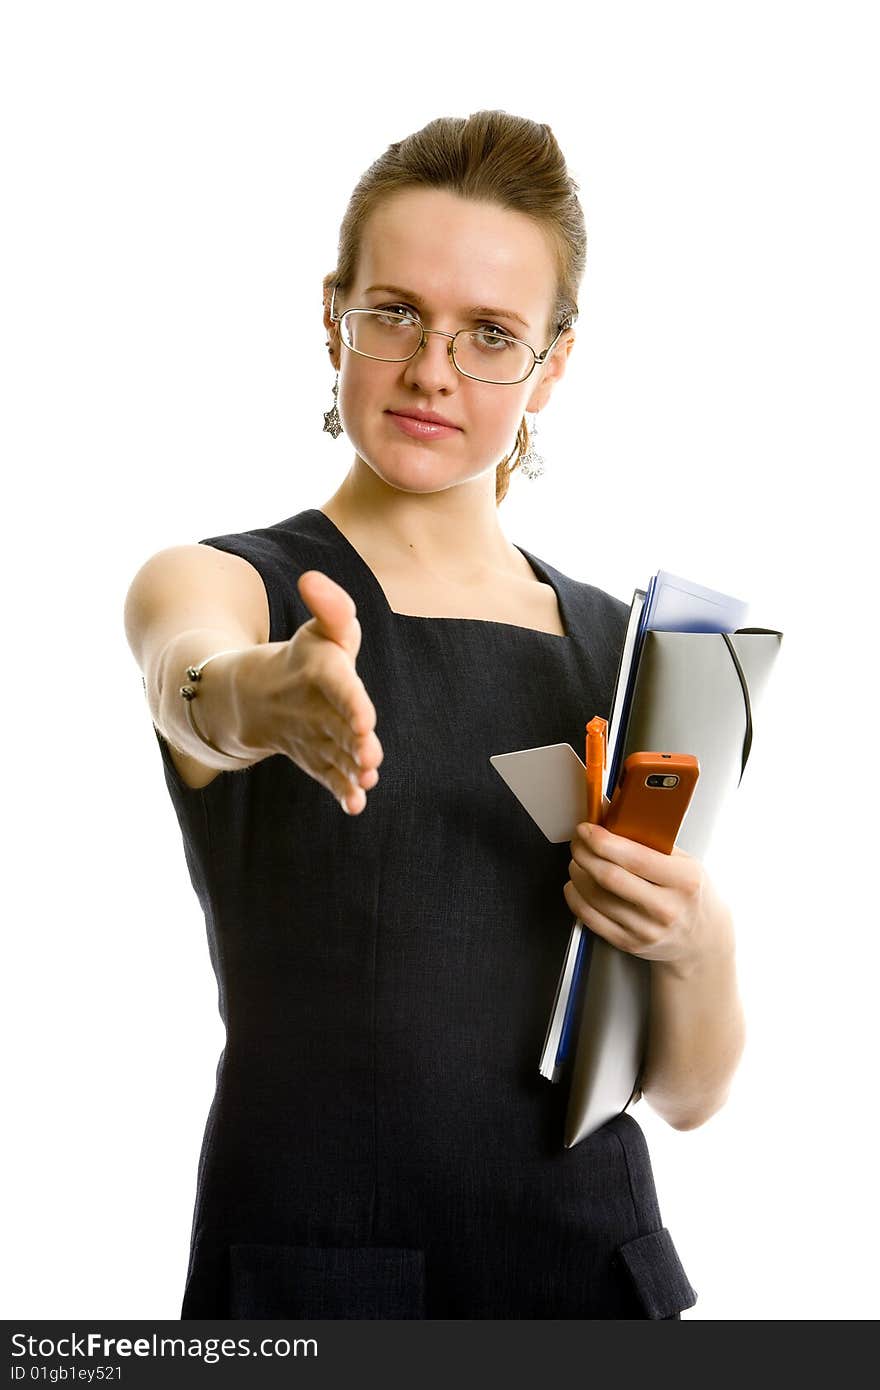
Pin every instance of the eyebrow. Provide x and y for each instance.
(478, 310)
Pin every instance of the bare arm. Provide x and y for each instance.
(183, 605)
(665, 909)
(302, 697)
(696, 1036)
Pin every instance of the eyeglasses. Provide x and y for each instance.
(396, 333)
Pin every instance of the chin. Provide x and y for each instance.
(418, 481)
(413, 471)
(417, 467)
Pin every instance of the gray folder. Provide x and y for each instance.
(695, 692)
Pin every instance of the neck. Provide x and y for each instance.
(453, 534)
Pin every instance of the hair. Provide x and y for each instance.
(489, 156)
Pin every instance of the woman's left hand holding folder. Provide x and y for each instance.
(662, 907)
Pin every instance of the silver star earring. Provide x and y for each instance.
(531, 463)
(332, 422)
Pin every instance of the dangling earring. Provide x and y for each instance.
(531, 462)
(332, 422)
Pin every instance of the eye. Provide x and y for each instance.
(398, 311)
(494, 337)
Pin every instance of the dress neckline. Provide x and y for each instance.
(538, 569)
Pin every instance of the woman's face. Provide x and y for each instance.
(444, 255)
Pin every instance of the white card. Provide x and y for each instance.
(551, 783)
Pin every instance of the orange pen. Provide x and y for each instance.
(597, 752)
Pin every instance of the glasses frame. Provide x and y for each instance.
(540, 358)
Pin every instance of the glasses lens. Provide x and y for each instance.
(392, 337)
(493, 356)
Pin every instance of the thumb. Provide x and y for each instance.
(334, 610)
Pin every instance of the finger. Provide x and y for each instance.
(353, 800)
(347, 697)
(639, 859)
(322, 754)
(353, 795)
(333, 609)
(332, 754)
(623, 937)
(363, 750)
(638, 918)
(339, 786)
(621, 885)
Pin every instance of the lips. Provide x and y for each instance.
(426, 417)
(425, 427)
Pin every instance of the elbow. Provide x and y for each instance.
(690, 1122)
(695, 1118)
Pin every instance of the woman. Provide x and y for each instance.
(380, 1144)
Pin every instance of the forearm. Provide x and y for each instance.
(223, 707)
(696, 1036)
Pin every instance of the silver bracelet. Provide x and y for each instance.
(189, 693)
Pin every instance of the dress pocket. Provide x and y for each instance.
(652, 1262)
(317, 1281)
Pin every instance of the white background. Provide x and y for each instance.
(175, 175)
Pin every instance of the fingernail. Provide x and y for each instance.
(357, 759)
(344, 807)
(353, 778)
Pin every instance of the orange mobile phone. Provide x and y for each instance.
(651, 797)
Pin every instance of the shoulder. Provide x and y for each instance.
(606, 605)
(601, 614)
(279, 553)
(280, 541)
(604, 616)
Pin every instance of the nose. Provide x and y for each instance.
(432, 368)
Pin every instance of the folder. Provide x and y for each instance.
(677, 691)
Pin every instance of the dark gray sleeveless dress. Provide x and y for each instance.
(380, 1144)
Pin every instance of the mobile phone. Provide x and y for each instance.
(651, 798)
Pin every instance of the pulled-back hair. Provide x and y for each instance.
(489, 156)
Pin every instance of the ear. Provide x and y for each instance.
(331, 330)
(552, 370)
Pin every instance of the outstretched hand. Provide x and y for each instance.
(319, 712)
